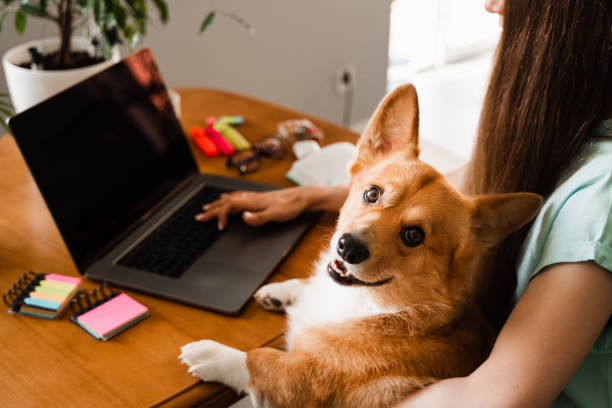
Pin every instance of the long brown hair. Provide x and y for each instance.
(551, 83)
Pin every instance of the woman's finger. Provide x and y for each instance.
(221, 213)
(256, 208)
(207, 215)
(246, 202)
(260, 217)
(236, 200)
(223, 199)
(212, 205)
(222, 220)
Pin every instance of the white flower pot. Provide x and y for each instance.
(29, 87)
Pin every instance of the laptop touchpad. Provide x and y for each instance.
(252, 247)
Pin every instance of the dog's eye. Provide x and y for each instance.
(372, 194)
(413, 236)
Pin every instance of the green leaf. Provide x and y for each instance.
(99, 12)
(207, 21)
(120, 15)
(4, 114)
(128, 34)
(20, 21)
(7, 2)
(5, 126)
(139, 9)
(6, 110)
(89, 5)
(162, 7)
(33, 10)
(130, 4)
(140, 27)
(104, 47)
(128, 31)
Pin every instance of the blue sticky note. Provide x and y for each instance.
(47, 304)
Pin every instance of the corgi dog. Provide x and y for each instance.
(390, 305)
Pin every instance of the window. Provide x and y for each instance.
(445, 48)
(429, 34)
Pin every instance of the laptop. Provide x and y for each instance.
(117, 174)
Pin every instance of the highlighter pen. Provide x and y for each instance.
(217, 138)
(203, 142)
(231, 120)
(234, 137)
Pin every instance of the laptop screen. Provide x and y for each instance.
(104, 152)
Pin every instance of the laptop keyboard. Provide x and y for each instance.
(179, 241)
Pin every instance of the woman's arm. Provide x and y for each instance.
(545, 340)
(276, 205)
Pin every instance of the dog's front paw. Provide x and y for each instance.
(277, 296)
(212, 361)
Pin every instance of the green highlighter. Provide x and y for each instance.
(224, 125)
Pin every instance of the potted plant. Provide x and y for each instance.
(41, 68)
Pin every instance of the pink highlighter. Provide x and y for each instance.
(217, 138)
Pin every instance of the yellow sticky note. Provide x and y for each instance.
(56, 284)
(53, 290)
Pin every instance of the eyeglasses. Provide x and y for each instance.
(247, 161)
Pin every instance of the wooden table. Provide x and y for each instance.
(54, 363)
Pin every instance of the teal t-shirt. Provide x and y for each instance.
(575, 225)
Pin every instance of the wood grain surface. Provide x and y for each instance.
(54, 363)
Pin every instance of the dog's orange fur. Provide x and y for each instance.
(438, 331)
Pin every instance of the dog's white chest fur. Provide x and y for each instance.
(324, 301)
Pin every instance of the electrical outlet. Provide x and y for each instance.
(344, 79)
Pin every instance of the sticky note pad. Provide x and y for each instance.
(42, 295)
(63, 278)
(112, 317)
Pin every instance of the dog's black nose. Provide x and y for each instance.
(352, 250)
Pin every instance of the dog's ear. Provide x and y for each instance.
(394, 127)
(496, 216)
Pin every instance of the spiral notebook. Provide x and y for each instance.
(41, 295)
(104, 313)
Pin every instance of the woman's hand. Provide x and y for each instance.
(277, 205)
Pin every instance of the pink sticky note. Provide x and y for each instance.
(63, 278)
(112, 314)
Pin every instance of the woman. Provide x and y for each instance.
(543, 130)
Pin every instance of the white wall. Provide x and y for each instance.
(291, 60)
